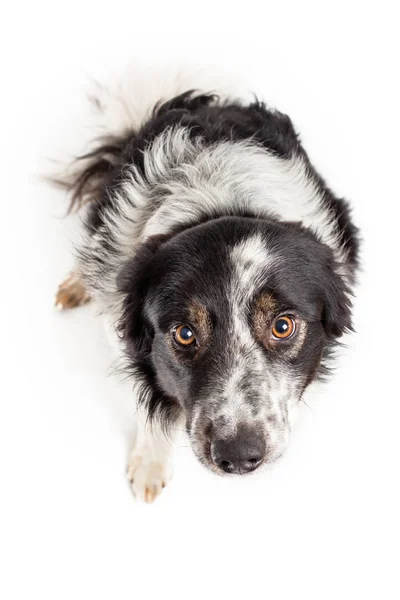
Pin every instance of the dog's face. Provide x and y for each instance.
(229, 320)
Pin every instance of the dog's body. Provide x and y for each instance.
(226, 265)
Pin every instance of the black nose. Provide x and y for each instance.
(239, 454)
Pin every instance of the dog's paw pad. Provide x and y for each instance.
(71, 293)
(148, 476)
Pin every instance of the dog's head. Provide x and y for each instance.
(228, 321)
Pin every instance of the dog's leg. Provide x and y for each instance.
(150, 463)
(71, 293)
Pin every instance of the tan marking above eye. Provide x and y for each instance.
(184, 335)
(201, 319)
(283, 327)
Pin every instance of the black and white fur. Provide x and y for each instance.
(205, 210)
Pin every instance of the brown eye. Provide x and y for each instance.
(184, 336)
(283, 328)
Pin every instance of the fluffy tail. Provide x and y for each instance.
(117, 112)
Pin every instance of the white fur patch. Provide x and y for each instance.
(150, 463)
(251, 260)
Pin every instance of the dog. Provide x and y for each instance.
(224, 262)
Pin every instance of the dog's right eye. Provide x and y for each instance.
(184, 336)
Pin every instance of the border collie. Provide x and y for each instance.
(224, 262)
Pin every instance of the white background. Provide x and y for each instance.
(324, 521)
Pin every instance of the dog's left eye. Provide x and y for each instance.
(283, 328)
(184, 336)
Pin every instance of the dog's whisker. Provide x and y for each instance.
(305, 403)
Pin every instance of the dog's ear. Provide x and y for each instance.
(134, 282)
(336, 311)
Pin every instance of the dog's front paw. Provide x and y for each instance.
(71, 293)
(148, 474)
